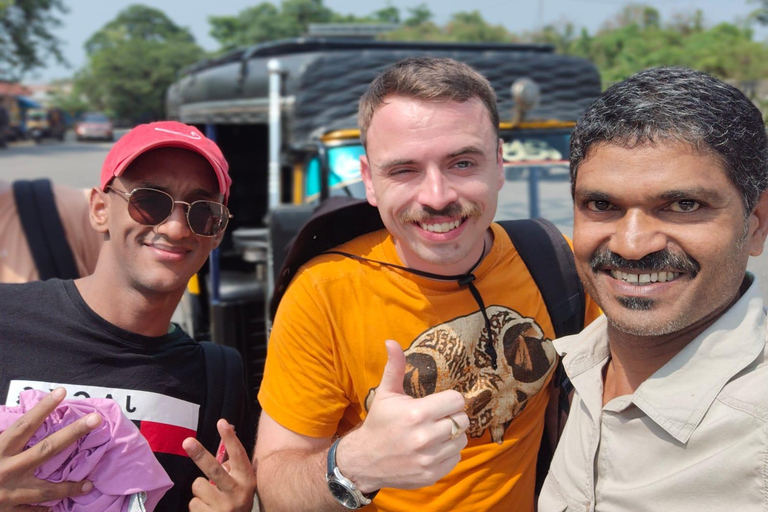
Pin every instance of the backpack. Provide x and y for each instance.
(43, 229)
(542, 247)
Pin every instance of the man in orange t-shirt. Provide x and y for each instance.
(449, 415)
(16, 262)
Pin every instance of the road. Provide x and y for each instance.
(78, 164)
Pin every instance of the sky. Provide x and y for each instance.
(87, 16)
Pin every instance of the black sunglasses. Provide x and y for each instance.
(152, 207)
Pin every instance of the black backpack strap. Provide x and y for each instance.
(335, 221)
(549, 259)
(44, 231)
(224, 395)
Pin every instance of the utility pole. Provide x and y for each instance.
(541, 16)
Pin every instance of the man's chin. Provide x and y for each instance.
(642, 322)
(163, 285)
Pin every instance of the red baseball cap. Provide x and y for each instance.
(164, 134)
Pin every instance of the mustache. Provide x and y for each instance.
(659, 261)
(463, 210)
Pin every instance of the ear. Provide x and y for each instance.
(99, 211)
(758, 226)
(365, 173)
(500, 163)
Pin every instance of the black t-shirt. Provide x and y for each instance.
(49, 337)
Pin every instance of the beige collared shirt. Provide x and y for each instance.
(693, 437)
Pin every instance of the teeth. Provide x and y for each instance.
(655, 277)
(441, 228)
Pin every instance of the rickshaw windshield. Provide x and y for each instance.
(545, 152)
(37, 115)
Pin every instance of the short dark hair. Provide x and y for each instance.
(681, 105)
(430, 79)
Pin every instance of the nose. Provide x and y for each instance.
(176, 226)
(436, 189)
(636, 235)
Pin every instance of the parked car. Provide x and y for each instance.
(94, 126)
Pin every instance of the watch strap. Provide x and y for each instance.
(332, 470)
(332, 458)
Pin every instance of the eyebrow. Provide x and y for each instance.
(592, 195)
(702, 193)
(466, 150)
(198, 192)
(706, 194)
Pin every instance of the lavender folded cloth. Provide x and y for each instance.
(114, 456)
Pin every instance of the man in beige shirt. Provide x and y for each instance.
(16, 262)
(669, 171)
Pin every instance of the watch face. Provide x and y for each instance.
(343, 495)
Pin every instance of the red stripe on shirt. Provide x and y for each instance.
(164, 438)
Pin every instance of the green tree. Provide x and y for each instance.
(637, 39)
(26, 41)
(465, 27)
(389, 14)
(131, 62)
(266, 22)
(72, 102)
(137, 22)
(304, 12)
(761, 13)
(419, 15)
(561, 36)
(261, 23)
(471, 27)
(640, 15)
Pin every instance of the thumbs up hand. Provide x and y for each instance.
(404, 442)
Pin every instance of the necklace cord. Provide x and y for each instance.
(463, 280)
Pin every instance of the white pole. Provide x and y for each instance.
(541, 15)
(275, 76)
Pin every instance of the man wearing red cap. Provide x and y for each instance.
(161, 208)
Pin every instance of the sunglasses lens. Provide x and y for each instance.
(149, 207)
(207, 218)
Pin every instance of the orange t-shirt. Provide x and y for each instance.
(327, 353)
(16, 263)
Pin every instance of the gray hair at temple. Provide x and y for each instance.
(675, 104)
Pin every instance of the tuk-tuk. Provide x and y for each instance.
(46, 123)
(285, 116)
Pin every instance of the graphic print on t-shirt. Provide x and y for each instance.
(164, 421)
(459, 354)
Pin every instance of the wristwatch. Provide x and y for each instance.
(341, 487)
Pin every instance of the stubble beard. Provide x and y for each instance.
(646, 327)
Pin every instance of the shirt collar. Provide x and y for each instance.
(679, 394)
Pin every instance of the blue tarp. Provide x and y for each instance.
(25, 102)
